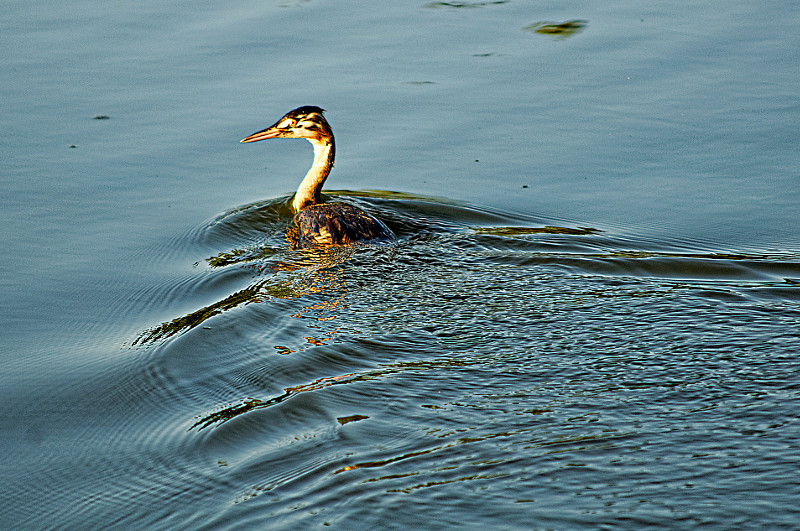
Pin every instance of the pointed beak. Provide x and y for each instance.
(264, 134)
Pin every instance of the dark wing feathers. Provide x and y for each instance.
(338, 223)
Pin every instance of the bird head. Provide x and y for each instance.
(304, 122)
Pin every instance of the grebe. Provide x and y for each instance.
(321, 223)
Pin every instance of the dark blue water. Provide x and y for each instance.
(590, 316)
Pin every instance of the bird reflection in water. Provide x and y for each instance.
(310, 271)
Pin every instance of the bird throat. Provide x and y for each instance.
(310, 188)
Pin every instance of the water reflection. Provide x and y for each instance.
(459, 5)
(187, 322)
(250, 404)
(318, 274)
(523, 231)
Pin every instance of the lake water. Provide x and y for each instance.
(590, 317)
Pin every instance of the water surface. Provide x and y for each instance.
(589, 317)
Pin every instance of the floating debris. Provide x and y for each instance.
(564, 29)
(102, 117)
(351, 418)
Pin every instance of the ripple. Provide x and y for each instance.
(483, 351)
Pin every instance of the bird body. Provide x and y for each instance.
(320, 223)
(335, 223)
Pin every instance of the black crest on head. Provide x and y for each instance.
(306, 109)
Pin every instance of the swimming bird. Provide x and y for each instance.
(318, 222)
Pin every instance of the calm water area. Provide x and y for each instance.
(590, 317)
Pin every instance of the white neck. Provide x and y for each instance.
(310, 188)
